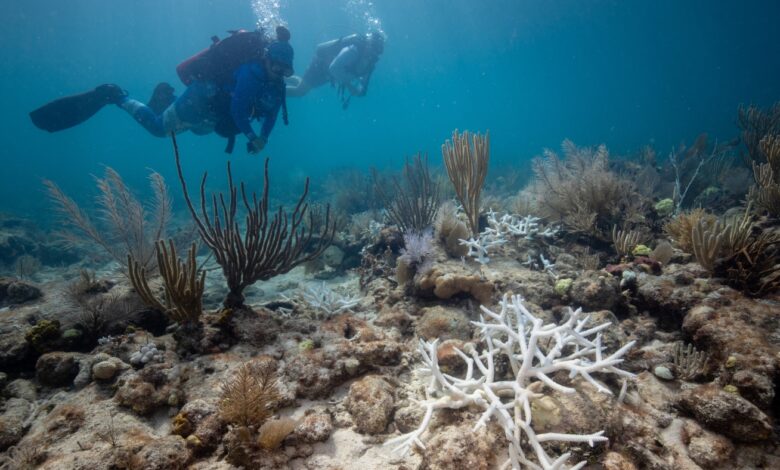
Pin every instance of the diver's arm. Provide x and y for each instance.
(268, 123)
(339, 68)
(247, 87)
(345, 41)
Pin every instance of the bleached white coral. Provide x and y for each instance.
(478, 248)
(326, 302)
(500, 230)
(535, 352)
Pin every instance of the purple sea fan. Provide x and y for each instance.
(417, 246)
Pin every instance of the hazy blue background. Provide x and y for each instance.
(621, 72)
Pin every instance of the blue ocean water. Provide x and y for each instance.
(622, 72)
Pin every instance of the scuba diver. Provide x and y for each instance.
(236, 80)
(346, 63)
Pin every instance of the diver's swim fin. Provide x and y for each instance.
(162, 97)
(72, 110)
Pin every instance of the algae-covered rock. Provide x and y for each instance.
(594, 291)
(14, 291)
(370, 402)
(463, 447)
(726, 413)
(155, 386)
(315, 426)
(57, 369)
(44, 336)
(12, 421)
(443, 323)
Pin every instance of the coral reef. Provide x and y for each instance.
(646, 337)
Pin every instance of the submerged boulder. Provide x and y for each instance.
(370, 402)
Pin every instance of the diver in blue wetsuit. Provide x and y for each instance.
(219, 98)
(257, 91)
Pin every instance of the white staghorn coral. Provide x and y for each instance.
(516, 335)
(499, 231)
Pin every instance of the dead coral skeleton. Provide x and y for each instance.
(500, 230)
(322, 301)
(535, 352)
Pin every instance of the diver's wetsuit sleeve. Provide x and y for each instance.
(341, 65)
(248, 86)
(269, 121)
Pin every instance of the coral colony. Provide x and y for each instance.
(682, 273)
(535, 351)
(499, 231)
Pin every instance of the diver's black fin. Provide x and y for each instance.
(162, 97)
(72, 110)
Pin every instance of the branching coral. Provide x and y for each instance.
(755, 268)
(766, 192)
(466, 158)
(535, 352)
(272, 243)
(416, 256)
(128, 227)
(625, 240)
(182, 280)
(680, 228)
(757, 123)
(688, 361)
(500, 230)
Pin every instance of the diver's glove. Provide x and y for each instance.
(256, 145)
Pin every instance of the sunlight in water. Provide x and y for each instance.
(363, 12)
(268, 13)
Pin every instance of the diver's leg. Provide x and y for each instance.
(297, 87)
(316, 75)
(194, 109)
(145, 116)
(189, 111)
